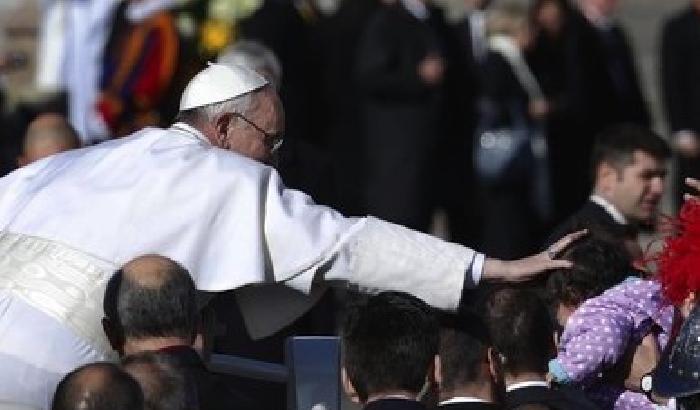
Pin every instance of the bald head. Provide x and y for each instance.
(150, 297)
(98, 386)
(48, 134)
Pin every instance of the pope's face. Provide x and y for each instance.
(258, 134)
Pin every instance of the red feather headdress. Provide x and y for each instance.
(679, 261)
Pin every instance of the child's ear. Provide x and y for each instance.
(348, 387)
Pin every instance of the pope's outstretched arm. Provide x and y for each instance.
(378, 255)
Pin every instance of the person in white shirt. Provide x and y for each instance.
(200, 194)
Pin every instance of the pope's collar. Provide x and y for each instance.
(189, 130)
(614, 213)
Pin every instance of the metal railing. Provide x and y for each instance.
(311, 371)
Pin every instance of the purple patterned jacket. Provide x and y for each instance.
(598, 334)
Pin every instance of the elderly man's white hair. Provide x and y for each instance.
(256, 56)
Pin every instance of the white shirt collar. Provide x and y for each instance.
(522, 385)
(416, 8)
(609, 208)
(462, 400)
(189, 130)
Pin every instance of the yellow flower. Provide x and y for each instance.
(215, 35)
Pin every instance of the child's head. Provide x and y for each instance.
(599, 264)
(679, 262)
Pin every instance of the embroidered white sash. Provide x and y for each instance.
(60, 281)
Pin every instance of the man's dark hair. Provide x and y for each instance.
(164, 307)
(600, 263)
(389, 342)
(616, 146)
(164, 383)
(98, 386)
(520, 329)
(464, 341)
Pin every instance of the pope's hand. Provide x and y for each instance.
(525, 269)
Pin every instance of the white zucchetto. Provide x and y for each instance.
(218, 83)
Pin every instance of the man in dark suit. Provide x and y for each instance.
(150, 305)
(628, 168)
(466, 370)
(621, 95)
(400, 71)
(389, 343)
(680, 63)
(522, 333)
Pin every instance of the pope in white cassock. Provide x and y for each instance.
(199, 193)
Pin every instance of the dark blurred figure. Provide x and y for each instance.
(680, 62)
(467, 372)
(389, 342)
(342, 96)
(150, 305)
(139, 64)
(468, 47)
(511, 110)
(522, 333)
(620, 98)
(98, 386)
(164, 384)
(555, 61)
(48, 134)
(401, 72)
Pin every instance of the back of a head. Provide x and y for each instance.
(98, 386)
(165, 385)
(616, 146)
(389, 343)
(600, 263)
(464, 342)
(152, 296)
(46, 135)
(521, 330)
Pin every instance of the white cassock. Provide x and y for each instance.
(67, 222)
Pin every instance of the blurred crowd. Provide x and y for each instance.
(490, 118)
(518, 123)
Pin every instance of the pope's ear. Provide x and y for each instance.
(222, 123)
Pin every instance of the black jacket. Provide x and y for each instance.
(591, 215)
(212, 391)
(394, 404)
(680, 64)
(470, 406)
(555, 399)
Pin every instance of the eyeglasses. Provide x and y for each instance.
(273, 141)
